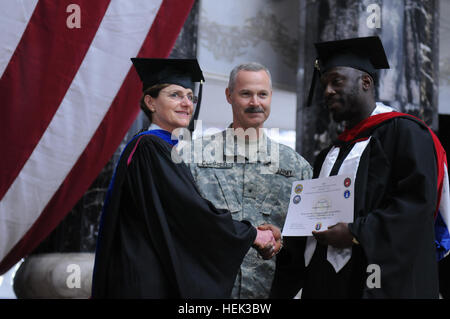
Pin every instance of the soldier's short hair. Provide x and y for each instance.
(252, 66)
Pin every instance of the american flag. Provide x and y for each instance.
(68, 96)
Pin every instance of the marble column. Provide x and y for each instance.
(52, 268)
(408, 30)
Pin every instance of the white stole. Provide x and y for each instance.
(337, 257)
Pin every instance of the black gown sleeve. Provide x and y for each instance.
(161, 238)
(398, 234)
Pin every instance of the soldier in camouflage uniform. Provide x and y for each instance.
(253, 182)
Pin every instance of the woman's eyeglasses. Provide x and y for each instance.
(178, 96)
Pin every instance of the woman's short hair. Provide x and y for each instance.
(153, 91)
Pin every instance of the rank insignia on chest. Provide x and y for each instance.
(285, 172)
(215, 165)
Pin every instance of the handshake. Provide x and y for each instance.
(268, 240)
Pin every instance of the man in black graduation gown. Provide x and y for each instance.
(389, 250)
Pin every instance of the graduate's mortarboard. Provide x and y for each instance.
(365, 54)
(183, 72)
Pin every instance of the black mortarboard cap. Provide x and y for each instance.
(183, 72)
(366, 54)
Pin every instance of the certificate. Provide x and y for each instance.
(318, 203)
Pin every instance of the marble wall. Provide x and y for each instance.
(409, 31)
(444, 57)
(233, 32)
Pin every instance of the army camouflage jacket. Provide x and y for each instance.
(254, 186)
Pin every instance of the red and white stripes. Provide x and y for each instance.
(68, 96)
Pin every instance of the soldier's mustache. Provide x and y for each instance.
(254, 110)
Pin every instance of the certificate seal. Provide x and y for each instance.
(297, 199)
(347, 182)
(298, 189)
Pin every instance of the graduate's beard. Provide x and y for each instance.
(350, 105)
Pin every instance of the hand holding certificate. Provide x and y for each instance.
(317, 204)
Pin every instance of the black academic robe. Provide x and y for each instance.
(158, 237)
(395, 202)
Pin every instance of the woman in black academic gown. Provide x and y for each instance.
(158, 237)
